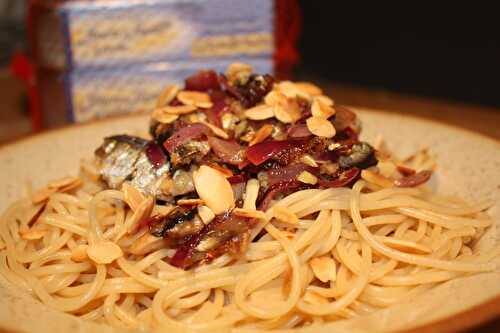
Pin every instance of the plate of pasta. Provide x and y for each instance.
(246, 204)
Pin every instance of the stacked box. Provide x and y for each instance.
(116, 55)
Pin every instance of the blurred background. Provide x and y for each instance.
(74, 61)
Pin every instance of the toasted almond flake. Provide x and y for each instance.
(237, 71)
(190, 202)
(309, 160)
(307, 178)
(133, 197)
(143, 211)
(104, 252)
(163, 117)
(284, 114)
(313, 298)
(79, 253)
(289, 89)
(216, 130)
(225, 171)
(62, 182)
(319, 126)
(42, 195)
(162, 210)
(404, 245)
(145, 244)
(206, 214)
(285, 215)
(250, 213)
(32, 234)
(274, 97)
(77, 183)
(263, 133)
(251, 194)
(325, 100)
(319, 109)
(228, 120)
(178, 109)
(167, 95)
(259, 112)
(213, 187)
(309, 88)
(376, 179)
(195, 98)
(324, 268)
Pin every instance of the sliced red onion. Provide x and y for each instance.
(345, 178)
(298, 131)
(414, 180)
(261, 152)
(288, 174)
(228, 151)
(343, 118)
(189, 132)
(155, 154)
(237, 179)
(219, 107)
(203, 81)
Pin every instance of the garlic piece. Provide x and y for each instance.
(104, 252)
(307, 178)
(214, 189)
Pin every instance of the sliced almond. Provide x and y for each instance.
(250, 213)
(237, 71)
(319, 109)
(251, 194)
(404, 245)
(309, 88)
(162, 210)
(213, 187)
(287, 113)
(285, 215)
(324, 99)
(228, 121)
(178, 109)
(145, 244)
(319, 126)
(259, 112)
(32, 234)
(195, 98)
(163, 117)
(376, 179)
(104, 252)
(190, 202)
(274, 97)
(309, 160)
(289, 89)
(71, 186)
(307, 178)
(216, 130)
(79, 253)
(324, 268)
(143, 212)
(227, 172)
(42, 195)
(206, 214)
(62, 182)
(263, 133)
(167, 95)
(133, 197)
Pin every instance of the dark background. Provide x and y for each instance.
(451, 53)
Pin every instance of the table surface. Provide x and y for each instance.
(14, 122)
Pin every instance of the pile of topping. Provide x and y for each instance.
(224, 148)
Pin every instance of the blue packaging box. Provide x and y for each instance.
(115, 33)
